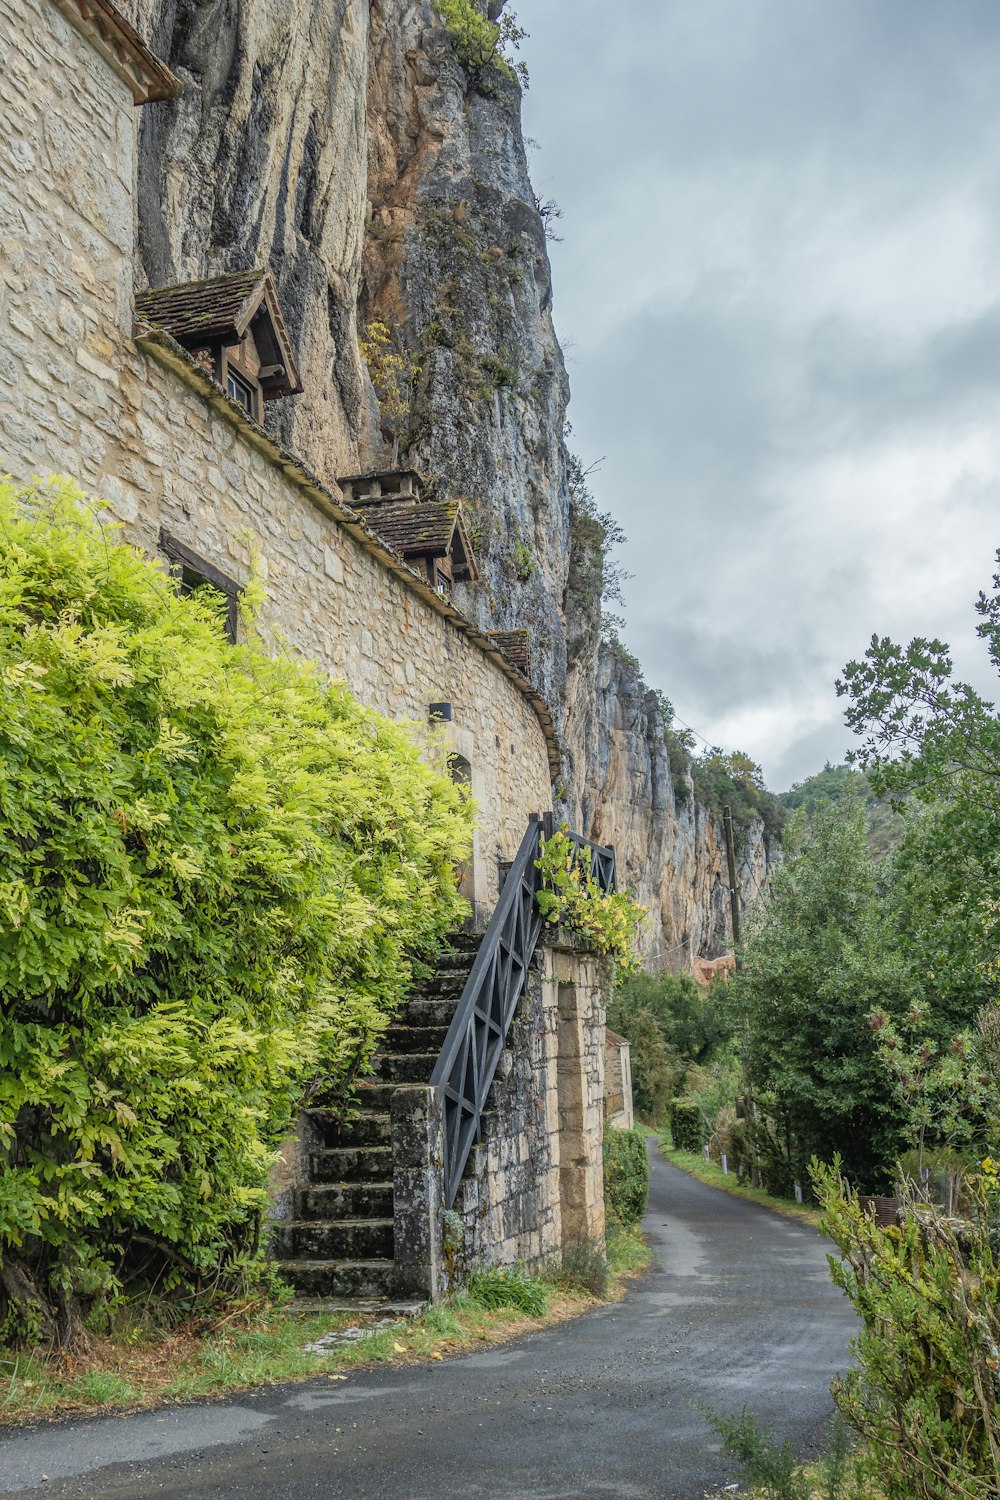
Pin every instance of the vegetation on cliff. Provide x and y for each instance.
(217, 868)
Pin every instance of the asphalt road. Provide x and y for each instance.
(738, 1309)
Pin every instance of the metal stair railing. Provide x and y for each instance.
(473, 1046)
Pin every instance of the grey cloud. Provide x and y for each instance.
(781, 220)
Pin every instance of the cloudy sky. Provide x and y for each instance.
(779, 288)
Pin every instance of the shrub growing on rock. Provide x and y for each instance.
(214, 869)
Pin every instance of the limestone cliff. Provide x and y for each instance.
(343, 143)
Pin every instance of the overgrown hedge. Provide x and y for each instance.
(687, 1125)
(626, 1174)
(214, 870)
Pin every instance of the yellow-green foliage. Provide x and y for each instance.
(609, 921)
(479, 43)
(214, 869)
(394, 372)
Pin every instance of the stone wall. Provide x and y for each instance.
(144, 428)
(619, 1110)
(534, 1186)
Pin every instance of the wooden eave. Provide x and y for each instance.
(266, 297)
(122, 48)
(469, 568)
(174, 357)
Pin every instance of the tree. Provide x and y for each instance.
(937, 741)
(655, 1069)
(216, 869)
(691, 1021)
(819, 958)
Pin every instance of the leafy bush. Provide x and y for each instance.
(215, 867)
(480, 43)
(926, 1392)
(695, 1020)
(687, 1125)
(626, 1174)
(495, 1287)
(818, 960)
(608, 920)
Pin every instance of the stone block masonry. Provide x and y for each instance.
(138, 424)
(534, 1187)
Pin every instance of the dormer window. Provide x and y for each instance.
(242, 392)
(429, 535)
(232, 325)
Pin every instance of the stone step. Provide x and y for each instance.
(358, 1307)
(423, 1011)
(344, 1200)
(415, 1067)
(404, 1038)
(339, 1278)
(351, 1164)
(336, 1239)
(447, 986)
(367, 1128)
(375, 1096)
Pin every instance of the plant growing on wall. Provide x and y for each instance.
(394, 373)
(214, 870)
(608, 920)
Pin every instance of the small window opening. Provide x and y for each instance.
(242, 392)
(192, 572)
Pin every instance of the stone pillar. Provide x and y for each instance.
(418, 1190)
(580, 1075)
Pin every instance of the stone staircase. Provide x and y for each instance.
(339, 1244)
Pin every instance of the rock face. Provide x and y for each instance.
(344, 143)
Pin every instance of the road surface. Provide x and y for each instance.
(738, 1309)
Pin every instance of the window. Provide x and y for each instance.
(242, 392)
(193, 572)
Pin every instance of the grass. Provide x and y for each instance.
(856, 1485)
(712, 1174)
(146, 1366)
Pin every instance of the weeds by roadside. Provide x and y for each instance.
(771, 1471)
(146, 1366)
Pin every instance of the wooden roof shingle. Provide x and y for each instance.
(421, 529)
(222, 307)
(516, 646)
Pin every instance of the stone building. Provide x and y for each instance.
(159, 402)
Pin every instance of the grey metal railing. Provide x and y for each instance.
(472, 1049)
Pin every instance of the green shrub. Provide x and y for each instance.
(626, 1174)
(496, 1286)
(480, 43)
(687, 1125)
(214, 870)
(655, 1068)
(926, 1389)
(609, 921)
(772, 1468)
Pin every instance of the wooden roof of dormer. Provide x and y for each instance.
(516, 646)
(222, 308)
(416, 528)
(122, 48)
